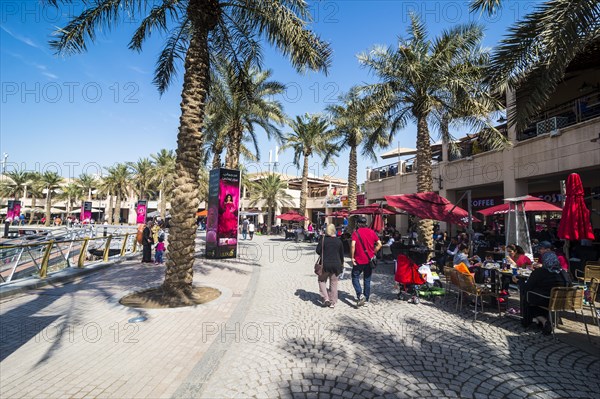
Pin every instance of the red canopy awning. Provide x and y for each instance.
(374, 209)
(291, 216)
(531, 204)
(339, 214)
(429, 205)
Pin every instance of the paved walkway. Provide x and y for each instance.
(267, 336)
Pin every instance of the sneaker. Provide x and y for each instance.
(360, 301)
(366, 304)
(332, 305)
(326, 304)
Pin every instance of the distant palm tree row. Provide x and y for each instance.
(148, 178)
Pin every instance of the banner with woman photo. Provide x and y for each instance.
(222, 220)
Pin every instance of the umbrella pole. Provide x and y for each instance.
(470, 230)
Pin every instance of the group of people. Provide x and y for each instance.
(153, 235)
(247, 228)
(364, 246)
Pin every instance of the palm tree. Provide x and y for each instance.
(106, 187)
(143, 176)
(119, 179)
(533, 58)
(164, 169)
(356, 126)
(202, 31)
(310, 136)
(50, 181)
(16, 185)
(239, 102)
(72, 192)
(421, 76)
(35, 189)
(270, 191)
(87, 183)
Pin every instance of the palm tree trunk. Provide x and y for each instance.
(47, 208)
(117, 209)
(32, 208)
(216, 162)
(163, 205)
(185, 199)
(109, 214)
(232, 159)
(352, 178)
(304, 189)
(269, 220)
(89, 194)
(424, 178)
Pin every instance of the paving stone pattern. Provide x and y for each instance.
(267, 336)
(289, 346)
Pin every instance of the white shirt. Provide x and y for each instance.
(251, 227)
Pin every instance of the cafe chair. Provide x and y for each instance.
(467, 286)
(448, 284)
(593, 293)
(562, 299)
(592, 270)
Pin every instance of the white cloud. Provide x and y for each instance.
(21, 38)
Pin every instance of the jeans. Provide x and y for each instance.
(158, 257)
(244, 233)
(366, 270)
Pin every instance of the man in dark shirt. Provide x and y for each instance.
(147, 242)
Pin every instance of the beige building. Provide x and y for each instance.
(563, 139)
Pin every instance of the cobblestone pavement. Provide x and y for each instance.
(75, 340)
(289, 346)
(267, 336)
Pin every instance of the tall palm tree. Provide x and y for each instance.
(239, 102)
(119, 177)
(71, 193)
(310, 136)
(50, 181)
(164, 169)
(143, 176)
(106, 188)
(87, 183)
(270, 191)
(357, 126)
(198, 32)
(420, 76)
(534, 56)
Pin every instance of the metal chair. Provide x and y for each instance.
(592, 270)
(593, 290)
(467, 286)
(562, 299)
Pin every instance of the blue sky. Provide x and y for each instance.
(76, 114)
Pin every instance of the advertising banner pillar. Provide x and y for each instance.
(222, 221)
(86, 212)
(141, 209)
(13, 212)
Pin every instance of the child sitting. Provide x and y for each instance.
(160, 250)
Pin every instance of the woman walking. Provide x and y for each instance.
(332, 250)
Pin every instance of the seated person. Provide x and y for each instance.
(545, 247)
(516, 258)
(541, 281)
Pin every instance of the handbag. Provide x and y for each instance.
(319, 264)
(373, 260)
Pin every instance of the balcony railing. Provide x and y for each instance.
(566, 114)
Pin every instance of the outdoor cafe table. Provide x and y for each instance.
(495, 273)
(497, 255)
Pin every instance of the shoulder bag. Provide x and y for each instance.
(319, 264)
(373, 260)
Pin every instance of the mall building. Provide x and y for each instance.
(563, 139)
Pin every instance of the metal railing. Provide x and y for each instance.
(39, 258)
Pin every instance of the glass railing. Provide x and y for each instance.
(46, 254)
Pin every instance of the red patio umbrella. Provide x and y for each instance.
(291, 216)
(429, 205)
(339, 214)
(374, 209)
(531, 204)
(575, 222)
(377, 224)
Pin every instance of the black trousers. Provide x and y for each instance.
(147, 253)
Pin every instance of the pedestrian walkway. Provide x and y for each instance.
(267, 336)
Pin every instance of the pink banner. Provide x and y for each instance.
(86, 212)
(141, 212)
(14, 210)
